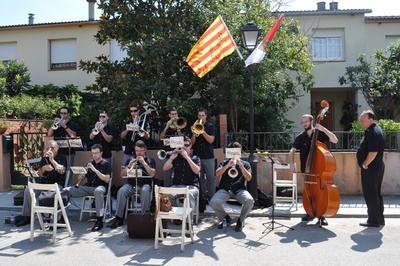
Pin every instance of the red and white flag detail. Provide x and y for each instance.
(258, 54)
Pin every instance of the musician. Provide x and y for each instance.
(104, 136)
(233, 188)
(370, 160)
(94, 183)
(148, 168)
(168, 132)
(131, 137)
(203, 148)
(186, 170)
(52, 170)
(66, 129)
(303, 143)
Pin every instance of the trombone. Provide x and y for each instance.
(198, 128)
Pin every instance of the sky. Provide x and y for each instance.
(16, 11)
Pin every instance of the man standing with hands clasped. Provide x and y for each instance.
(370, 160)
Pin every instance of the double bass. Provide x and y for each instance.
(320, 195)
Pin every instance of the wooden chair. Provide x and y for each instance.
(177, 213)
(54, 211)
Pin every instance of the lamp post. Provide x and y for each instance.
(250, 33)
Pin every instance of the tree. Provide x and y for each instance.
(159, 34)
(14, 78)
(378, 81)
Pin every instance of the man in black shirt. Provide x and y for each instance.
(168, 132)
(186, 170)
(130, 137)
(148, 168)
(94, 183)
(370, 160)
(52, 170)
(66, 129)
(233, 187)
(104, 136)
(303, 143)
(203, 148)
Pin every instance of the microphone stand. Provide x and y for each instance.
(270, 226)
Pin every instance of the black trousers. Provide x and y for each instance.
(371, 180)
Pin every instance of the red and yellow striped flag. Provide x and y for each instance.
(215, 44)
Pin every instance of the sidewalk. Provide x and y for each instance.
(350, 207)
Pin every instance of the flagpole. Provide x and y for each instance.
(230, 35)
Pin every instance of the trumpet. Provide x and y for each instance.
(178, 123)
(198, 127)
(56, 123)
(97, 128)
(233, 172)
(162, 154)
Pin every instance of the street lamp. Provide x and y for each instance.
(250, 33)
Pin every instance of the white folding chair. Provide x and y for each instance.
(177, 213)
(284, 183)
(196, 211)
(55, 210)
(90, 199)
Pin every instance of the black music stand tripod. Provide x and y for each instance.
(270, 226)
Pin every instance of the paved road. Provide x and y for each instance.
(343, 242)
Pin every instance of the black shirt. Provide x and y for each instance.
(303, 143)
(130, 141)
(53, 176)
(183, 174)
(142, 181)
(99, 139)
(201, 147)
(372, 142)
(233, 184)
(92, 179)
(61, 134)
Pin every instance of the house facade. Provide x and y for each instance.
(337, 38)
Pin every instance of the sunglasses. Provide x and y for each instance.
(102, 116)
(134, 110)
(187, 145)
(63, 113)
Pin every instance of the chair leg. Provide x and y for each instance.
(183, 233)
(190, 228)
(65, 216)
(82, 208)
(157, 232)
(32, 225)
(55, 216)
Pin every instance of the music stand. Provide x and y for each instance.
(69, 143)
(270, 226)
(136, 169)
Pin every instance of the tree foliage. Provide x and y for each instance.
(379, 80)
(14, 78)
(158, 35)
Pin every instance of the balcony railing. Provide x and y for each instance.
(282, 141)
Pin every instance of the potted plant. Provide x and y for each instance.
(3, 126)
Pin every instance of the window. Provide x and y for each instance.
(327, 45)
(391, 39)
(117, 52)
(63, 54)
(327, 48)
(8, 51)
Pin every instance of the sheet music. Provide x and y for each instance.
(78, 170)
(75, 143)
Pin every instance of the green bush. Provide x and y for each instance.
(69, 94)
(14, 78)
(29, 107)
(387, 125)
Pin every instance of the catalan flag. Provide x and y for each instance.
(215, 44)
